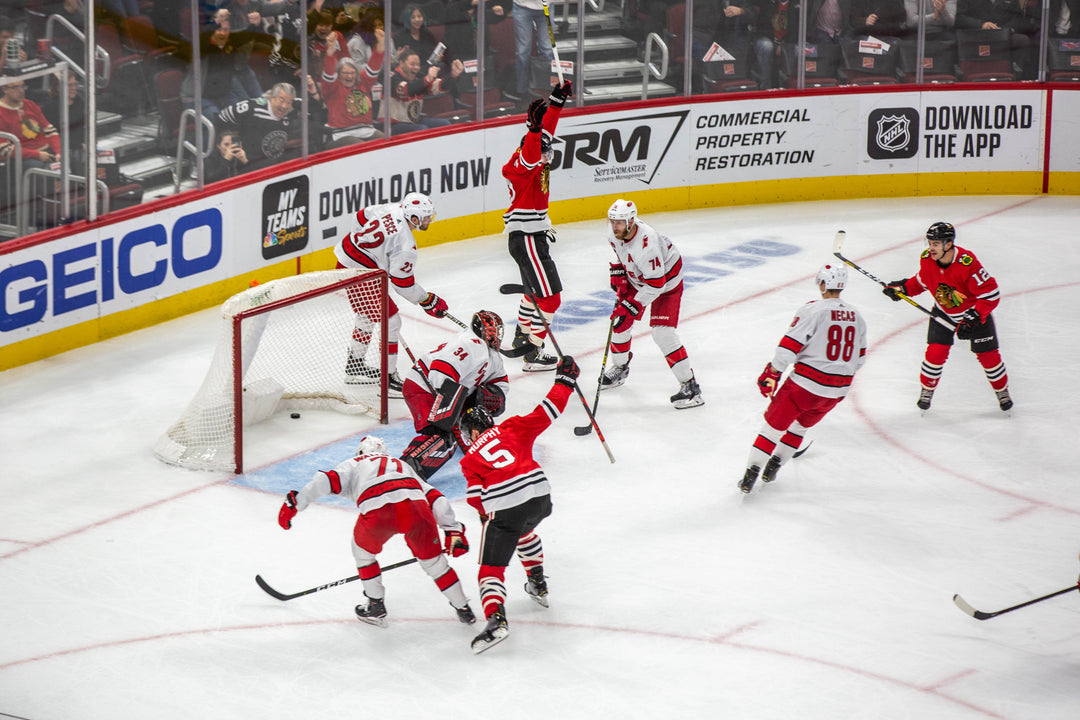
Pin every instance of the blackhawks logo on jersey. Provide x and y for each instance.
(966, 259)
(545, 186)
(949, 297)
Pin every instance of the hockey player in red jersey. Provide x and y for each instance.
(510, 491)
(649, 272)
(528, 175)
(382, 238)
(825, 346)
(965, 294)
(392, 500)
(443, 383)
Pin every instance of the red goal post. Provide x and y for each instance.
(283, 346)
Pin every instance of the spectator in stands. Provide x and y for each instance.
(284, 29)
(884, 19)
(228, 159)
(23, 118)
(247, 16)
(775, 26)
(76, 127)
(117, 10)
(268, 126)
(938, 19)
(321, 33)
(1064, 18)
(460, 35)
(346, 92)
(408, 88)
(1023, 17)
(530, 26)
(7, 32)
(417, 37)
(829, 21)
(226, 74)
(363, 39)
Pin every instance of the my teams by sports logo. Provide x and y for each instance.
(892, 133)
(285, 217)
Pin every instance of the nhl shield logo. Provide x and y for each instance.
(893, 133)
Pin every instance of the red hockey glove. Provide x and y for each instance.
(626, 312)
(567, 372)
(287, 511)
(456, 544)
(619, 283)
(968, 325)
(560, 94)
(434, 306)
(767, 381)
(895, 289)
(534, 118)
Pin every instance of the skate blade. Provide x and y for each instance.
(692, 402)
(376, 621)
(481, 644)
(533, 367)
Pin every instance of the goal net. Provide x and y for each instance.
(283, 346)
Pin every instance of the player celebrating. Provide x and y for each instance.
(825, 346)
(510, 491)
(391, 500)
(383, 239)
(442, 384)
(528, 173)
(649, 272)
(966, 294)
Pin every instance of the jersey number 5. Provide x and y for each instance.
(498, 457)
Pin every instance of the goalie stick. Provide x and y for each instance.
(980, 615)
(514, 289)
(838, 242)
(292, 596)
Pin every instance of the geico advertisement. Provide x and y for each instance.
(83, 277)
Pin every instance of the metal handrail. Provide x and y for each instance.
(99, 52)
(648, 67)
(183, 144)
(16, 158)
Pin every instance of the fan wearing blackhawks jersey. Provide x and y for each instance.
(530, 232)
(649, 272)
(266, 124)
(442, 384)
(965, 294)
(824, 347)
(391, 501)
(382, 238)
(512, 494)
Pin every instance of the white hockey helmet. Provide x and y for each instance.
(623, 210)
(419, 206)
(833, 274)
(371, 445)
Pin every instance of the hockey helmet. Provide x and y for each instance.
(488, 326)
(371, 445)
(941, 231)
(623, 210)
(419, 206)
(834, 275)
(475, 418)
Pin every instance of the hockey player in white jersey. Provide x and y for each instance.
(824, 347)
(383, 238)
(466, 371)
(649, 272)
(391, 501)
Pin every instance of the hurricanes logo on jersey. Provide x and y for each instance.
(949, 297)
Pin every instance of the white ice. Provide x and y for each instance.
(126, 586)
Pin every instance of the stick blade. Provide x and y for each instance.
(838, 241)
(968, 610)
(511, 289)
(269, 590)
(583, 430)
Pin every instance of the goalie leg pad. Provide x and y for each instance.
(448, 405)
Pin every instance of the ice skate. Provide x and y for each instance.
(689, 395)
(465, 614)
(520, 338)
(771, 467)
(616, 375)
(748, 480)
(374, 613)
(494, 633)
(1004, 400)
(537, 586)
(358, 372)
(926, 395)
(394, 386)
(536, 360)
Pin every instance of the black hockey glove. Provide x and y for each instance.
(560, 94)
(567, 372)
(968, 325)
(535, 117)
(895, 290)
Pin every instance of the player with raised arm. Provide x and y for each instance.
(649, 272)
(824, 347)
(392, 500)
(468, 370)
(512, 494)
(966, 294)
(383, 239)
(527, 174)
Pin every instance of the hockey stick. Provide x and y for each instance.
(454, 320)
(554, 50)
(586, 429)
(838, 241)
(980, 615)
(513, 290)
(292, 596)
(801, 451)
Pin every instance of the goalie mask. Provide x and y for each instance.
(833, 275)
(488, 326)
(418, 208)
(475, 418)
(371, 445)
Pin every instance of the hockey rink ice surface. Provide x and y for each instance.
(128, 585)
